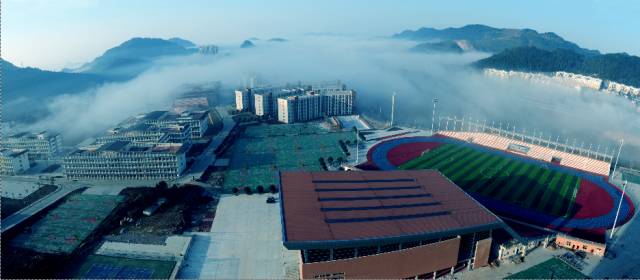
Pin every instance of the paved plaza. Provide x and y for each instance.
(245, 242)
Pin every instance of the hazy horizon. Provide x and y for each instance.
(67, 33)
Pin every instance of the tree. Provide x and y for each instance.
(162, 186)
(235, 190)
(247, 190)
(273, 189)
(260, 189)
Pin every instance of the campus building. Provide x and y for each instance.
(122, 160)
(383, 224)
(198, 121)
(40, 146)
(291, 104)
(144, 134)
(13, 162)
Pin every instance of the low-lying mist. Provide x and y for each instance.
(374, 68)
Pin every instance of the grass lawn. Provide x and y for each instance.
(553, 268)
(503, 178)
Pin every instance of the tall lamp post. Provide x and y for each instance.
(433, 115)
(615, 220)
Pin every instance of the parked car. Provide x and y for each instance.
(271, 199)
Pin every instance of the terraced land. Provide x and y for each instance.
(503, 178)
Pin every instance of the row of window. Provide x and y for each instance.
(323, 255)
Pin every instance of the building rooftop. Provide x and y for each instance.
(357, 208)
(13, 152)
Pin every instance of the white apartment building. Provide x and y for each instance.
(120, 160)
(244, 100)
(13, 162)
(40, 146)
(262, 103)
(286, 109)
(308, 107)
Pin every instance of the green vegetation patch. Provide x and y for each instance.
(553, 268)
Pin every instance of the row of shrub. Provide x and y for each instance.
(259, 189)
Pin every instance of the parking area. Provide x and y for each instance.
(245, 242)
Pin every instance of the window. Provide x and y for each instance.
(317, 255)
(344, 253)
(366, 251)
(410, 244)
(389, 247)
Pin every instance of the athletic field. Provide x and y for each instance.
(525, 184)
(512, 185)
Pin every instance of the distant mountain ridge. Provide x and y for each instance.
(489, 39)
(134, 56)
(617, 67)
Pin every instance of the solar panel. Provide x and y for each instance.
(331, 209)
(386, 218)
(355, 198)
(368, 189)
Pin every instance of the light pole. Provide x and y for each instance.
(615, 166)
(433, 115)
(615, 221)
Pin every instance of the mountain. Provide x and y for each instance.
(247, 44)
(32, 87)
(617, 67)
(277, 39)
(442, 46)
(182, 42)
(489, 39)
(134, 56)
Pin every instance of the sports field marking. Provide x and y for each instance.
(542, 190)
(454, 174)
(456, 159)
(411, 164)
(490, 173)
(433, 159)
(513, 184)
(552, 192)
(525, 188)
(495, 181)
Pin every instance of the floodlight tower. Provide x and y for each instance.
(433, 115)
(393, 107)
(615, 166)
(615, 220)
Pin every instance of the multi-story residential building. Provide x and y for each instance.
(297, 103)
(13, 162)
(40, 146)
(308, 107)
(338, 103)
(286, 109)
(121, 160)
(244, 100)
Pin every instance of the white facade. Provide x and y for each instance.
(243, 100)
(121, 160)
(13, 162)
(262, 103)
(286, 110)
(40, 146)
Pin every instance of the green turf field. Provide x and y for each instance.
(554, 268)
(528, 185)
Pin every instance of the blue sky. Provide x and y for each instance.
(52, 34)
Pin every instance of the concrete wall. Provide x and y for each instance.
(398, 264)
